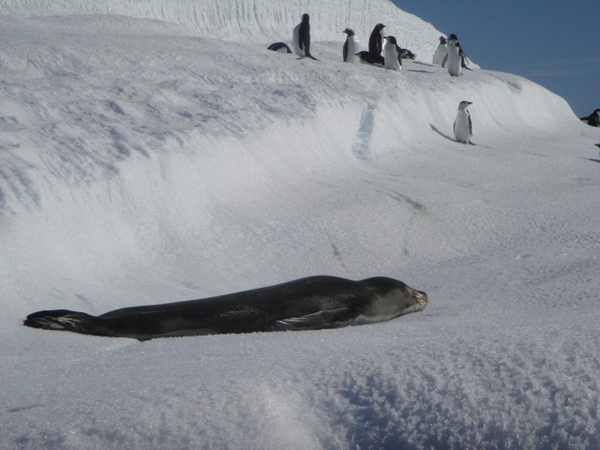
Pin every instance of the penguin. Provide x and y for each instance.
(593, 119)
(454, 65)
(463, 57)
(366, 57)
(405, 53)
(391, 56)
(280, 47)
(440, 52)
(301, 38)
(376, 39)
(463, 127)
(350, 46)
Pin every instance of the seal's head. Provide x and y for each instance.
(393, 298)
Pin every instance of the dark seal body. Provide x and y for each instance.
(305, 304)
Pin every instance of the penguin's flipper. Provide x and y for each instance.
(470, 126)
(445, 60)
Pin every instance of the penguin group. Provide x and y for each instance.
(450, 54)
(379, 43)
(384, 51)
(393, 54)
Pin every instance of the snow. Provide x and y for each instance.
(148, 155)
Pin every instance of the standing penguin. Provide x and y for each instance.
(301, 38)
(350, 46)
(454, 59)
(376, 39)
(463, 57)
(392, 58)
(463, 127)
(440, 52)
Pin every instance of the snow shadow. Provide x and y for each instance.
(419, 71)
(434, 128)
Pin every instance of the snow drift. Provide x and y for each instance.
(148, 156)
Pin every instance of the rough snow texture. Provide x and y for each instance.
(143, 162)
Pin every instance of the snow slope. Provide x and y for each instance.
(252, 20)
(144, 161)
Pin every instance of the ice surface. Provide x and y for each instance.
(147, 157)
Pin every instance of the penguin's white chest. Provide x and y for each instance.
(462, 127)
(454, 66)
(296, 41)
(440, 54)
(390, 55)
(352, 48)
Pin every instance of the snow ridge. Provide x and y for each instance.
(263, 21)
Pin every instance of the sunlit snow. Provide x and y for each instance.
(156, 151)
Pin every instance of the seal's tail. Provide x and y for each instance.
(63, 320)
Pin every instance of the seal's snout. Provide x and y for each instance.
(420, 297)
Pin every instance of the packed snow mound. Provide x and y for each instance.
(142, 163)
(253, 20)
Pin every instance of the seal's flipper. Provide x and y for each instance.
(63, 320)
(321, 319)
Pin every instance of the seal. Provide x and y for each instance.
(311, 303)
